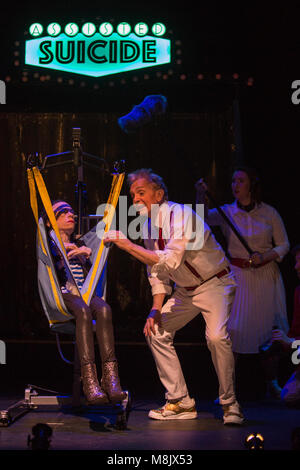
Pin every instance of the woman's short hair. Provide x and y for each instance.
(154, 179)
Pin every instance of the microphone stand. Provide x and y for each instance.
(79, 159)
(80, 187)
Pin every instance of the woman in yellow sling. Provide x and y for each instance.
(78, 256)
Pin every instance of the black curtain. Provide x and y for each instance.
(181, 147)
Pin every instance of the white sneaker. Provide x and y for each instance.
(232, 414)
(174, 411)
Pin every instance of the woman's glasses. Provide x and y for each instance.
(64, 210)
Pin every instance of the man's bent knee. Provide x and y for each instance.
(218, 338)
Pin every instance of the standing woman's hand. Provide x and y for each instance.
(257, 258)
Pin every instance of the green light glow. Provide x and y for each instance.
(54, 29)
(106, 29)
(36, 29)
(97, 56)
(158, 29)
(124, 29)
(141, 29)
(88, 29)
(71, 29)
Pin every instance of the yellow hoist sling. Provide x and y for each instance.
(49, 287)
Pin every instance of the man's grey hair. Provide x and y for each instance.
(152, 178)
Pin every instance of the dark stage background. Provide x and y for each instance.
(211, 124)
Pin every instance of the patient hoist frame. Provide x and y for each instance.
(32, 399)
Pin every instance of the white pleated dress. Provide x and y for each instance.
(260, 301)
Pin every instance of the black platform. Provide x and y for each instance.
(94, 429)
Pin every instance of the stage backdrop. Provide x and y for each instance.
(180, 147)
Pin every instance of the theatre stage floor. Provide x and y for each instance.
(94, 429)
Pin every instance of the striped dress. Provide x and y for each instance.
(260, 301)
(77, 272)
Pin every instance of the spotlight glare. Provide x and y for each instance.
(254, 441)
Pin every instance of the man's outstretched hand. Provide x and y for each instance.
(118, 238)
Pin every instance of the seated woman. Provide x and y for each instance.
(78, 256)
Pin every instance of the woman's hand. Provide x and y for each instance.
(70, 246)
(73, 251)
(257, 258)
(279, 335)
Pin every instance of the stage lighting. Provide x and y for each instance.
(41, 432)
(254, 441)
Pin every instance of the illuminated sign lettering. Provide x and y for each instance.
(97, 51)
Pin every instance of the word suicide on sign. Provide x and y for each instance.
(97, 51)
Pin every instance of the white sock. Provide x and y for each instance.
(187, 402)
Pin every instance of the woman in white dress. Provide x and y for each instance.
(260, 302)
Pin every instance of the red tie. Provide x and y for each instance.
(161, 242)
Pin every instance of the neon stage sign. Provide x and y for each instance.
(97, 52)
